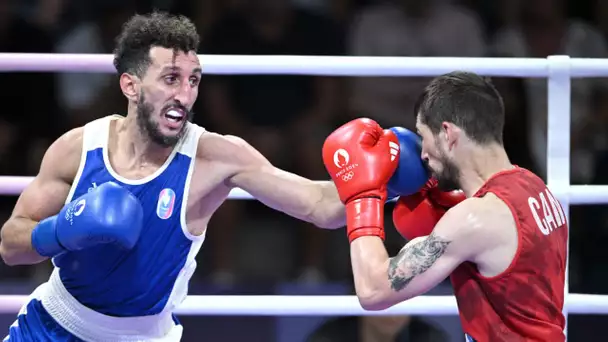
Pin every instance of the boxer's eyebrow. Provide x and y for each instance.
(174, 68)
(170, 68)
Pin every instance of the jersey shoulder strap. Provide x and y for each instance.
(95, 134)
(189, 144)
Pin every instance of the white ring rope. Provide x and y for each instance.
(317, 65)
(577, 194)
(299, 65)
(325, 305)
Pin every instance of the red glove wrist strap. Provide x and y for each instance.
(365, 217)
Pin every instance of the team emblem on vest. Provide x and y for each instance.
(166, 202)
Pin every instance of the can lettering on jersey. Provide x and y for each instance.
(547, 212)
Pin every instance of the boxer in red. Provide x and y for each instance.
(502, 239)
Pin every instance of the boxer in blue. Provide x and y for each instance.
(121, 205)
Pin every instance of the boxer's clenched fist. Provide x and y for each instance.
(361, 157)
(107, 214)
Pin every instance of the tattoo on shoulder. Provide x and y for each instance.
(415, 259)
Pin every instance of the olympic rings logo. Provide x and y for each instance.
(348, 176)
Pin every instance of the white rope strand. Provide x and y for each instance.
(293, 65)
(578, 194)
(325, 305)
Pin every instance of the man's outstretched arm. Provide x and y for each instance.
(316, 202)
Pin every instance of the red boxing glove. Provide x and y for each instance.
(417, 215)
(361, 157)
(445, 199)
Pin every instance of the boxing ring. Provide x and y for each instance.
(558, 70)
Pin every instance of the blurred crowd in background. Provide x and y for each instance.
(288, 117)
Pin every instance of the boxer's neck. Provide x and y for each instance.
(137, 146)
(480, 164)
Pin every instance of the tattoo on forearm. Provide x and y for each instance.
(414, 260)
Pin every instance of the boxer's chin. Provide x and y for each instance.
(156, 132)
(160, 136)
(446, 185)
(449, 177)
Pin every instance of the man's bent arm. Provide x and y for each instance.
(424, 262)
(312, 201)
(42, 198)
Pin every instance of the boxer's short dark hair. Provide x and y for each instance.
(143, 32)
(467, 100)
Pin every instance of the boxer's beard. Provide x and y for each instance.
(448, 179)
(151, 128)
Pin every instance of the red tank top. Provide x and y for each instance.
(524, 303)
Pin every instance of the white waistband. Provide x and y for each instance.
(90, 325)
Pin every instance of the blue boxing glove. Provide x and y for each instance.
(411, 173)
(107, 214)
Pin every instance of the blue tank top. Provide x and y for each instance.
(153, 276)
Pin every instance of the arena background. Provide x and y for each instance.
(253, 250)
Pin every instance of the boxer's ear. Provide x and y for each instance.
(129, 84)
(451, 133)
